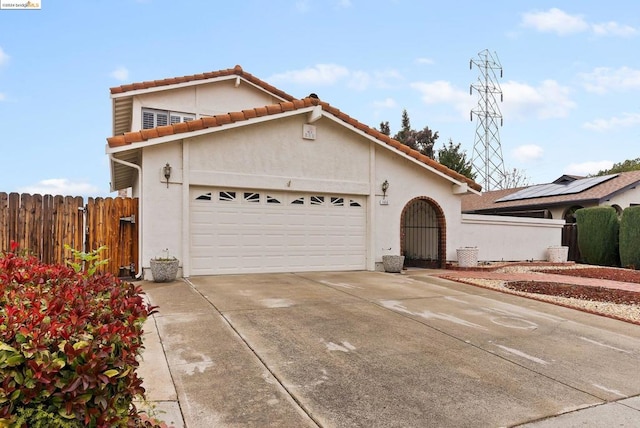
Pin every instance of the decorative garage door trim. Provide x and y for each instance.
(246, 231)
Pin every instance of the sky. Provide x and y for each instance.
(570, 74)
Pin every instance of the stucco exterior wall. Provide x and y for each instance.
(202, 100)
(407, 181)
(161, 209)
(501, 238)
(626, 199)
(273, 155)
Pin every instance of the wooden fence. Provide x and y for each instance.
(570, 239)
(43, 224)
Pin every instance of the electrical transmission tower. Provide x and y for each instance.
(487, 153)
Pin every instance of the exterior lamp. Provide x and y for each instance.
(385, 187)
(167, 173)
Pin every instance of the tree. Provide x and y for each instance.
(514, 178)
(628, 165)
(405, 128)
(422, 141)
(451, 157)
(385, 128)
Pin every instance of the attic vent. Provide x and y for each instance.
(314, 95)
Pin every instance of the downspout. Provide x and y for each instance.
(139, 168)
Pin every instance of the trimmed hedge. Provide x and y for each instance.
(630, 238)
(68, 346)
(598, 230)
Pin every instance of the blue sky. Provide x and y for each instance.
(571, 80)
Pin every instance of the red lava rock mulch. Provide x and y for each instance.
(613, 274)
(599, 294)
(596, 294)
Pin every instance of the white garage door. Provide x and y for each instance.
(240, 231)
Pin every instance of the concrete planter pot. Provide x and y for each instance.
(164, 270)
(467, 256)
(557, 254)
(393, 264)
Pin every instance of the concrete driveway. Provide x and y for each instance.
(371, 349)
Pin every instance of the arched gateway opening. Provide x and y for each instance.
(423, 234)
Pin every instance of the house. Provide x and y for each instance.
(236, 176)
(559, 199)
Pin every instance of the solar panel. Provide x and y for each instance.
(552, 189)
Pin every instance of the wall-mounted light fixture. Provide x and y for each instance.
(385, 187)
(167, 173)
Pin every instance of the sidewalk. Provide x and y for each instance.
(162, 399)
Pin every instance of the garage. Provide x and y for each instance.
(247, 231)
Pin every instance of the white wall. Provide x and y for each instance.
(505, 238)
(202, 100)
(162, 206)
(273, 155)
(407, 180)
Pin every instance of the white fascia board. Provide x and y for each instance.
(171, 86)
(191, 134)
(393, 149)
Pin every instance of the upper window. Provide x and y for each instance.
(152, 118)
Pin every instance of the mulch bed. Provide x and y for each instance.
(594, 294)
(613, 274)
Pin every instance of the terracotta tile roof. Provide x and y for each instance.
(294, 104)
(237, 70)
(599, 193)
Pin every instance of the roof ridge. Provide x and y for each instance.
(237, 71)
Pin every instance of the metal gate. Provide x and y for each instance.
(421, 233)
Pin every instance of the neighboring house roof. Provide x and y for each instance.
(489, 202)
(182, 130)
(123, 95)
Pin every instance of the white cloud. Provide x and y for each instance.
(561, 23)
(528, 152)
(586, 168)
(121, 73)
(547, 100)
(442, 92)
(604, 79)
(428, 61)
(2, 96)
(320, 74)
(331, 74)
(386, 103)
(61, 186)
(625, 121)
(614, 29)
(4, 58)
(344, 4)
(554, 21)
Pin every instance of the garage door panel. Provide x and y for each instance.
(233, 234)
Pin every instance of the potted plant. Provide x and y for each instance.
(164, 269)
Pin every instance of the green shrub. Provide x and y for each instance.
(630, 238)
(68, 346)
(598, 230)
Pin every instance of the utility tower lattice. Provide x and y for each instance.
(487, 159)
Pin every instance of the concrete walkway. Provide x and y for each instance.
(375, 349)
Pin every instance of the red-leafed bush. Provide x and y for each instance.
(68, 346)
